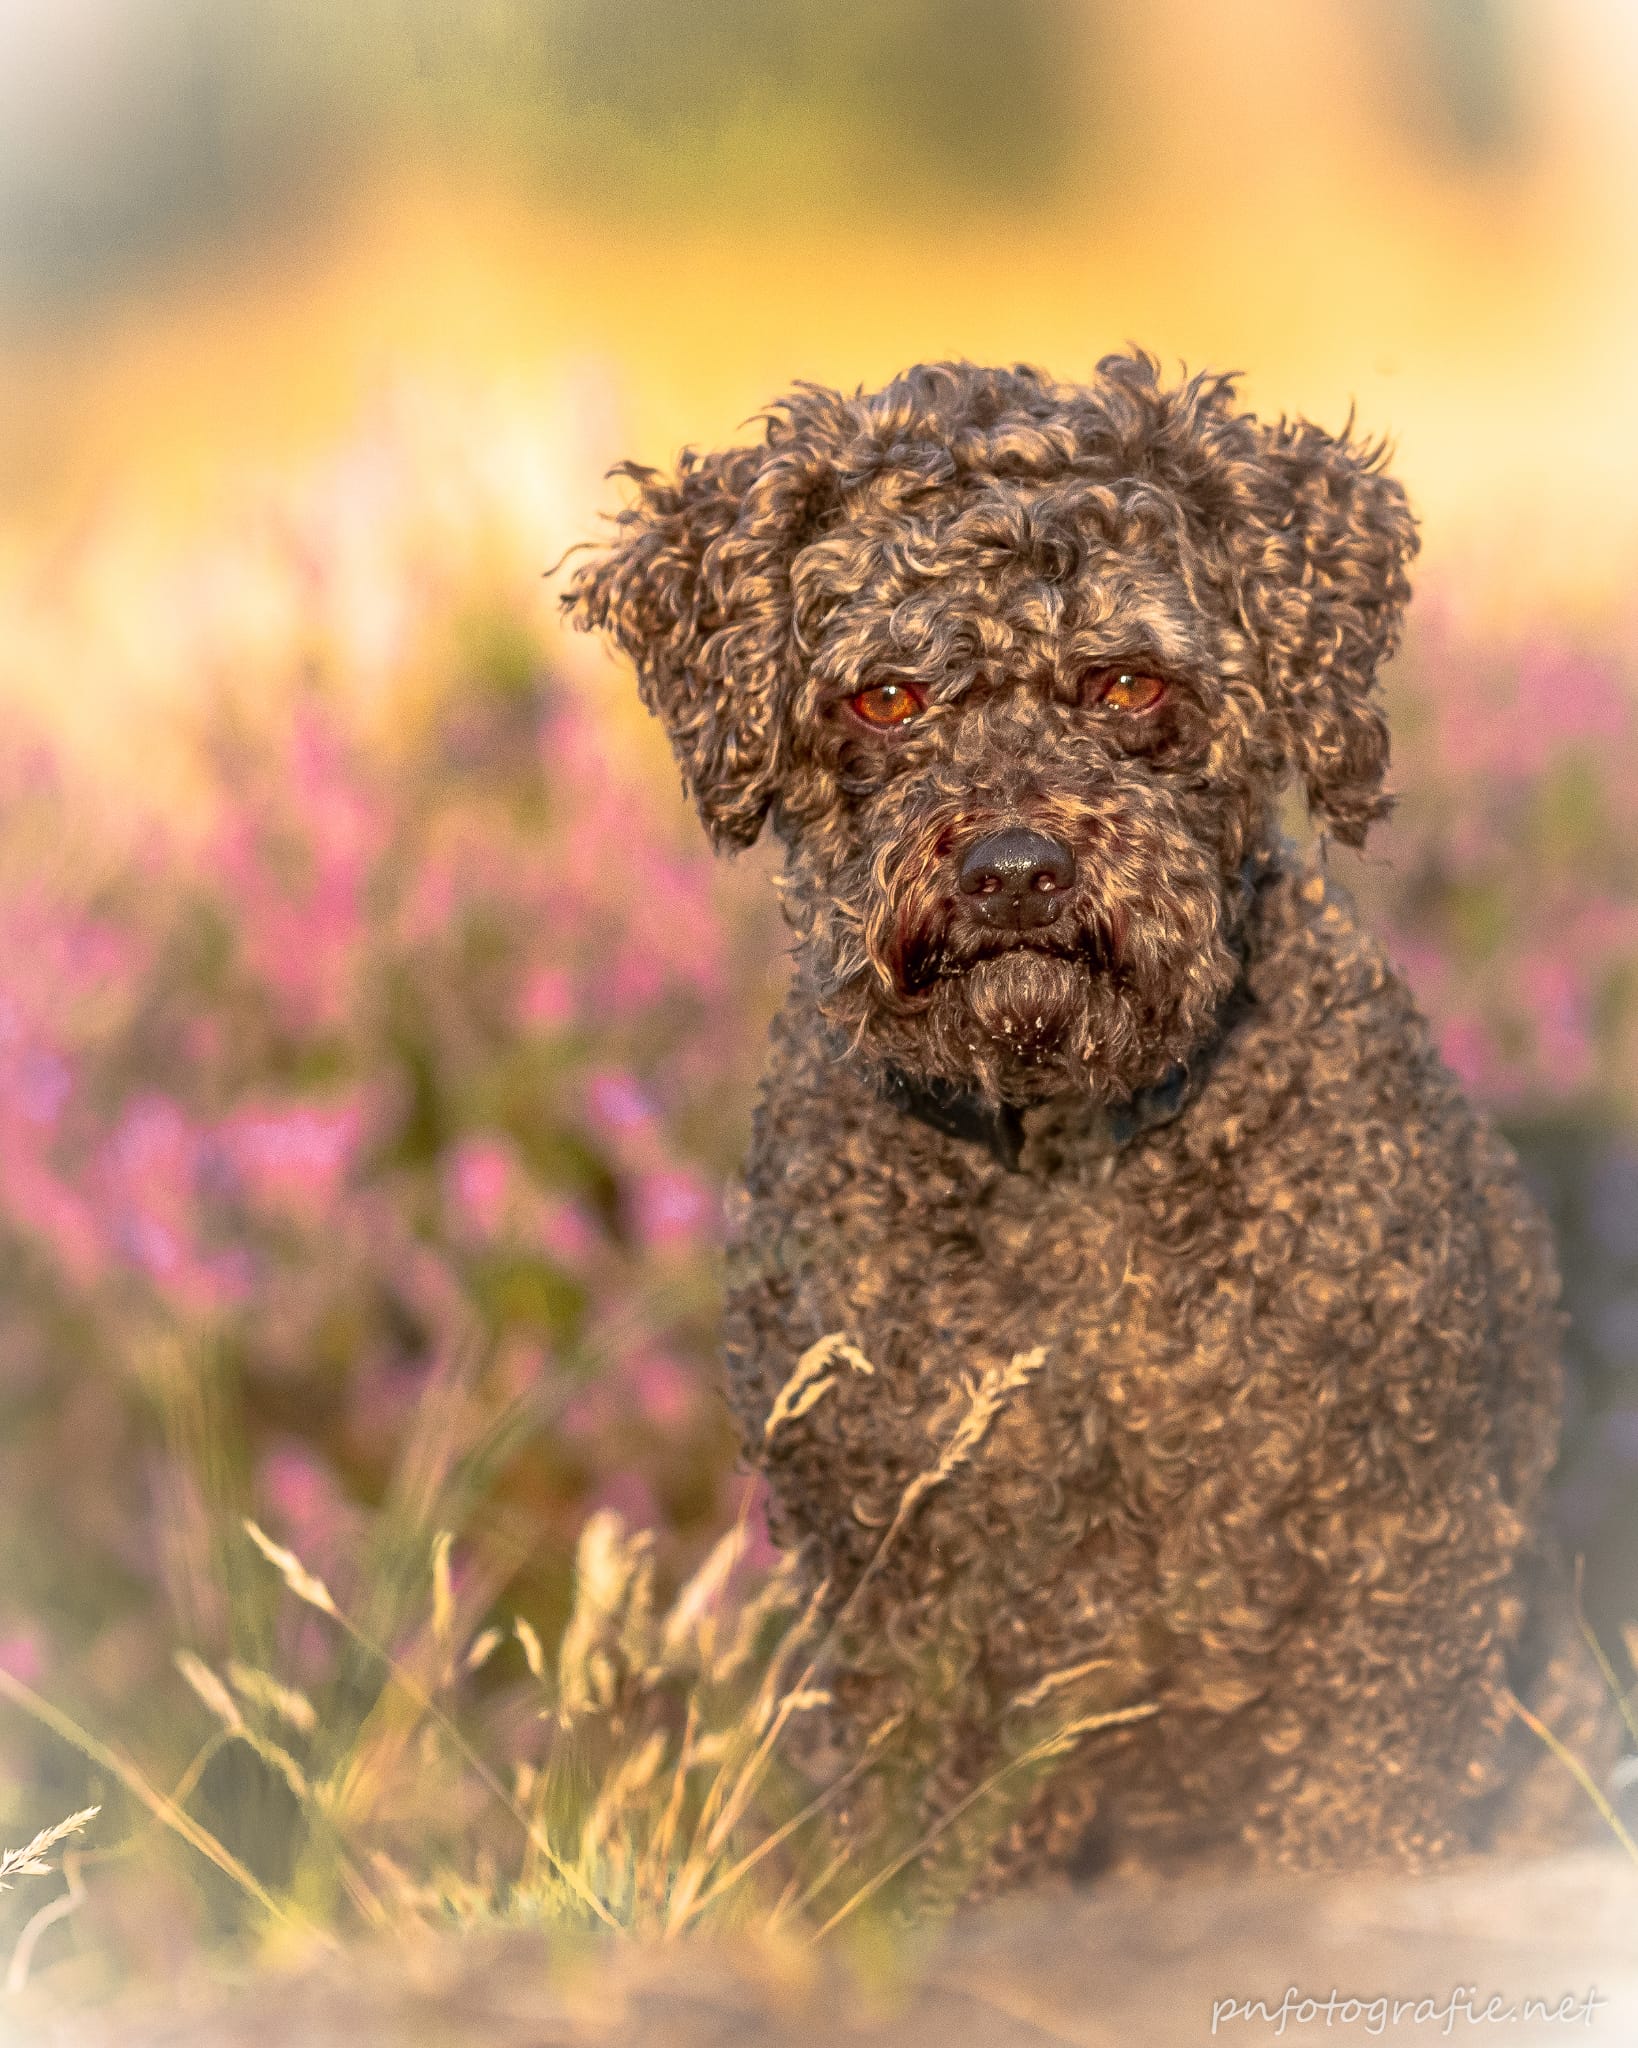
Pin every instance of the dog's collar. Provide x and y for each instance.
(999, 1126)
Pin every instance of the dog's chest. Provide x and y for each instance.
(942, 1268)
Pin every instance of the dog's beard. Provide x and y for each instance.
(1022, 1025)
(1027, 1004)
(1125, 984)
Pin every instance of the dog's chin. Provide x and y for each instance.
(1027, 1005)
(1028, 1021)
(1022, 1025)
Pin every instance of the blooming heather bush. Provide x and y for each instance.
(362, 1134)
(404, 1077)
(1514, 850)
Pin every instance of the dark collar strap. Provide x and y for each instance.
(999, 1126)
(960, 1113)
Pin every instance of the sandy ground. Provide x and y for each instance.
(1450, 1957)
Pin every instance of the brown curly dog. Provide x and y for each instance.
(1222, 1322)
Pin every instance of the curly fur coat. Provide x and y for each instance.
(1085, 1067)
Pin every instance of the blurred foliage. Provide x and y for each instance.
(183, 122)
(136, 133)
(1461, 74)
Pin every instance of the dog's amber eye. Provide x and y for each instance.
(886, 703)
(1127, 689)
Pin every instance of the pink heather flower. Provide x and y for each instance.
(304, 953)
(547, 1000)
(521, 1364)
(40, 1084)
(302, 924)
(150, 1167)
(203, 1040)
(21, 1655)
(56, 956)
(154, 1247)
(665, 1392)
(149, 1178)
(154, 1147)
(631, 1498)
(617, 1102)
(1558, 1010)
(479, 1177)
(300, 1491)
(194, 1284)
(1568, 696)
(292, 1156)
(634, 982)
(567, 1234)
(433, 895)
(673, 1208)
(588, 1412)
(1466, 1048)
(38, 1200)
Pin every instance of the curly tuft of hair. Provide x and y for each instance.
(1081, 1057)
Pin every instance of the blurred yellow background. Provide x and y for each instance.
(614, 228)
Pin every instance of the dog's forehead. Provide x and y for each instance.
(1090, 567)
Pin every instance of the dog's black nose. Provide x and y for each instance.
(1016, 877)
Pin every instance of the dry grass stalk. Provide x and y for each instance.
(534, 1654)
(630, 1779)
(1626, 1700)
(205, 1683)
(29, 1861)
(777, 1595)
(812, 1379)
(1577, 1770)
(724, 1814)
(482, 1647)
(690, 1627)
(68, 1901)
(814, 1807)
(165, 1810)
(443, 1602)
(291, 1569)
(261, 1689)
(215, 1695)
(1055, 1744)
(661, 1841)
(1055, 1681)
(662, 1845)
(988, 1399)
(610, 1630)
(731, 1791)
(342, 1788)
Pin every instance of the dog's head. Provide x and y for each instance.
(1018, 670)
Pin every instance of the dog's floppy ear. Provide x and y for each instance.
(1323, 588)
(696, 591)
